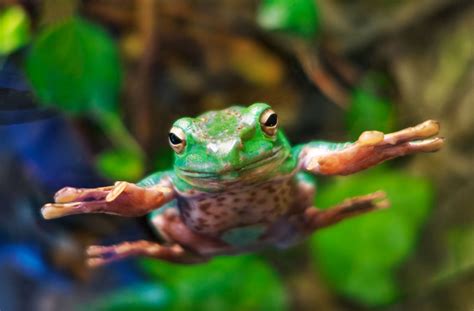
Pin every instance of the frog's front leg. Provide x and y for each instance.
(371, 148)
(123, 198)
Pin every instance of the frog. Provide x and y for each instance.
(238, 186)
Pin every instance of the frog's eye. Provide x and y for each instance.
(177, 139)
(269, 122)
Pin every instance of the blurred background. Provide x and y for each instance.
(89, 89)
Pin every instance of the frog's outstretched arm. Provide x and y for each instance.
(123, 198)
(371, 148)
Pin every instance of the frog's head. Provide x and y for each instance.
(230, 146)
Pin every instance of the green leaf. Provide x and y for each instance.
(144, 297)
(299, 17)
(14, 29)
(75, 65)
(225, 283)
(369, 112)
(121, 165)
(359, 256)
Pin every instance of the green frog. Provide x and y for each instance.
(238, 186)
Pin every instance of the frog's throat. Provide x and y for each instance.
(253, 172)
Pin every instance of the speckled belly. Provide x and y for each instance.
(214, 213)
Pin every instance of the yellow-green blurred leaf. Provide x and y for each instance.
(14, 29)
(255, 64)
(121, 165)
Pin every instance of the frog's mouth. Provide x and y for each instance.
(255, 169)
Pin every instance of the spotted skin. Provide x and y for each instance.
(237, 186)
(242, 217)
(214, 213)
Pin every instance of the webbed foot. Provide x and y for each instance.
(124, 199)
(374, 147)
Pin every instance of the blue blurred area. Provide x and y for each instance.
(44, 143)
(48, 148)
(41, 152)
(11, 77)
(22, 268)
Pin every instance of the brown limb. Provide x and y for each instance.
(374, 147)
(316, 219)
(101, 255)
(173, 229)
(124, 199)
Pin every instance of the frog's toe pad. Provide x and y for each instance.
(420, 132)
(427, 145)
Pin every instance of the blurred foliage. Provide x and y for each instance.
(225, 283)
(256, 65)
(368, 110)
(359, 257)
(142, 297)
(299, 17)
(198, 61)
(14, 29)
(120, 165)
(83, 75)
(460, 242)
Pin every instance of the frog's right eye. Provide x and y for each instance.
(269, 122)
(177, 139)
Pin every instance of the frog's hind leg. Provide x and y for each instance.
(101, 255)
(169, 250)
(305, 218)
(171, 227)
(314, 218)
(182, 245)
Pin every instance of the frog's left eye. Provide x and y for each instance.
(177, 139)
(269, 122)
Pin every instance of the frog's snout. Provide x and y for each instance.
(224, 148)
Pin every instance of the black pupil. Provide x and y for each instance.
(272, 120)
(175, 140)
